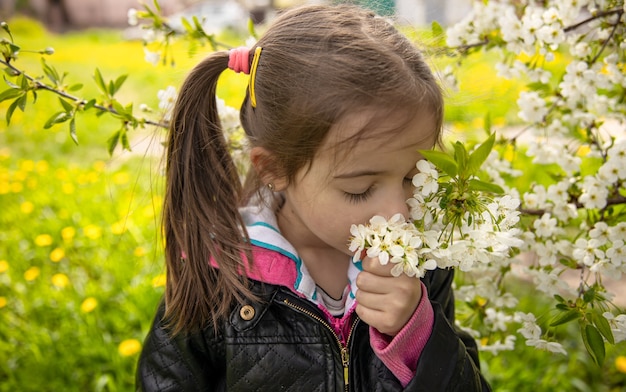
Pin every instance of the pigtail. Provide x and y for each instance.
(200, 216)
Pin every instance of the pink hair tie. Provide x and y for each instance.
(238, 59)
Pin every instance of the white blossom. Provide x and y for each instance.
(132, 17)
(167, 98)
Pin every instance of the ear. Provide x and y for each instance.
(265, 166)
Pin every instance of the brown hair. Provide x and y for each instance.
(318, 63)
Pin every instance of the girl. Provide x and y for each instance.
(261, 290)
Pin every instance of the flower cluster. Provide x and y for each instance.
(441, 237)
(571, 56)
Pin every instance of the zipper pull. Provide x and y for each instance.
(345, 360)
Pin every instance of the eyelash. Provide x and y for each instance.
(358, 197)
(361, 197)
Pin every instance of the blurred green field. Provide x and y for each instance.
(81, 266)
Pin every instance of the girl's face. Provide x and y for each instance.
(348, 182)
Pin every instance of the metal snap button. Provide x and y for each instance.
(247, 312)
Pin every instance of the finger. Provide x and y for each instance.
(373, 301)
(379, 320)
(373, 265)
(373, 283)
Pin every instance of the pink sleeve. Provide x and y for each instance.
(401, 352)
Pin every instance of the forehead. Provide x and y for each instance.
(372, 130)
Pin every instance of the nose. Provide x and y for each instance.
(396, 204)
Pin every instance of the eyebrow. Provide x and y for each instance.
(358, 173)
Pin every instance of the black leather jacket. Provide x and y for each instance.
(284, 344)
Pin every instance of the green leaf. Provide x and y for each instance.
(594, 343)
(50, 72)
(21, 102)
(565, 317)
(11, 84)
(124, 140)
(478, 156)
(187, 25)
(73, 130)
(482, 186)
(66, 105)
(442, 161)
(119, 82)
(15, 49)
(120, 109)
(57, 118)
(436, 29)
(603, 326)
(10, 93)
(75, 87)
(89, 104)
(23, 81)
(100, 81)
(112, 142)
(11, 109)
(460, 156)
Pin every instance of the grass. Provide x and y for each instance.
(81, 264)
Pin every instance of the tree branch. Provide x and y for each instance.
(42, 86)
(594, 17)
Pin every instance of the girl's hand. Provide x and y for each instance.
(384, 301)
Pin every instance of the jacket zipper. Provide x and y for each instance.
(343, 349)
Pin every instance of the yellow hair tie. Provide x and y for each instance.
(255, 62)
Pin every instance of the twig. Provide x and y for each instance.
(43, 86)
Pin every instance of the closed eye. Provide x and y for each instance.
(358, 197)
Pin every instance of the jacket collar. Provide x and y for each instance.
(276, 261)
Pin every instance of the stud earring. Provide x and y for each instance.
(270, 186)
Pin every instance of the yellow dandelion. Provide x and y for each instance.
(4, 187)
(4, 266)
(57, 254)
(61, 174)
(43, 240)
(99, 165)
(67, 233)
(3, 302)
(148, 211)
(129, 347)
(67, 188)
(92, 232)
(17, 187)
(118, 228)
(20, 175)
(88, 305)
(159, 280)
(620, 363)
(27, 207)
(27, 165)
(60, 280)
(121, 178)
(32, 273)
(139, 251)
(42, 166)
(31, 183)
